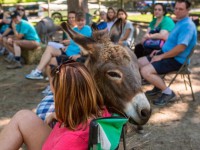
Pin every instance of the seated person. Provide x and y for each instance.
(127, 30)
(8, 32)
(159, 28)
(73, 86)
(71, 21)
(4, 24)
(56, 56)
(179, 44)
(102, 17)
(25, 38)
(20, 9)
(111, 17)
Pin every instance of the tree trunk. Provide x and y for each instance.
(77, 5)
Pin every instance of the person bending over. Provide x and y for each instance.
(174, 52)
(77, 102)
(25, 38)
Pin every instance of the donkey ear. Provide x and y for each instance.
(85, 42)
(116, 30)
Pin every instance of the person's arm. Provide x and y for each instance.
(50, 118)
(167, 25)
(5, 20)
(172, 53)
(16, 33)
(6, 32)
(144, 38)
(126, 35)
(75, 57)
(163, 35)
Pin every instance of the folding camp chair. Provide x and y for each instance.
(185, 72)
(105, 133)
(135, 34)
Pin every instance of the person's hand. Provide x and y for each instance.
(74, 57)
(65, 42)
(154, 52)
(10, 41)
(147, 36)
(156, 58)
(120, 42)
(50, 118)
(6, 14)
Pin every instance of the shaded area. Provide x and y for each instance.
(175, 126)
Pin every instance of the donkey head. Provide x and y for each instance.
(116, 73)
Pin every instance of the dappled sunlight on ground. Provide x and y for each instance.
(160, 115)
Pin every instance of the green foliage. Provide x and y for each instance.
(142, 18)
(16, 1)
(148, 18)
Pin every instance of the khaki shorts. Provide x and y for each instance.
(27, 45)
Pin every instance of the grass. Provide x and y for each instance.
(142, 18)
(148, 18)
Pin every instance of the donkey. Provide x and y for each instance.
(45, 29)
(116, 73)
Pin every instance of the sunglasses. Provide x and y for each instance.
(56, 70)
(21, 9)
(158, 9)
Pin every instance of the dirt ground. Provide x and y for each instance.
(173, 127)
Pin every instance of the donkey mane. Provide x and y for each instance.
(110, 51)
(115, 54)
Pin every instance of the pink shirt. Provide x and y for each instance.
(62, 138)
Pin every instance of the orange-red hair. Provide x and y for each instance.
(76, 95)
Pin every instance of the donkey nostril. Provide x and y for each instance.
(145, 113)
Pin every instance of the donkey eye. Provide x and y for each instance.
(114, 74)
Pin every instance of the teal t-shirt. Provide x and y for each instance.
(29, 32)
(73, 48)
(166, 24)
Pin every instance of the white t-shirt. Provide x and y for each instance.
(128, 25)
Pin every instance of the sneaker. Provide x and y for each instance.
(154, 91)
(164, 99)
(46, 90)
(2, 51)
(10, 58)
(35, 75)
(14, 65)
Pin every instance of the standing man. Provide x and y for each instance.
(178, 46)
(25, 38)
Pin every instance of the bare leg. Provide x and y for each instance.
(17, 50)
(46, 57)
(143, 61)
(24, 127)
(149, 73)
(8, 46)
(53, 61)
